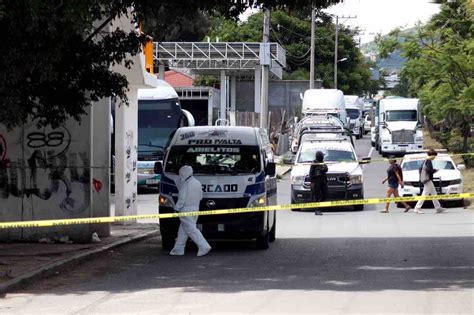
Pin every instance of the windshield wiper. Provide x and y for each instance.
(152, 145)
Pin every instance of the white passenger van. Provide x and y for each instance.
(236, 169)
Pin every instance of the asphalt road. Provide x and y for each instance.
(342, 262)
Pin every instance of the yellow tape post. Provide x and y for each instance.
(337, 203)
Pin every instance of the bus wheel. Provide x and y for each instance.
(273, 230)
(167, 241)
(263, 241)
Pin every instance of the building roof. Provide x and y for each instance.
(178, 79)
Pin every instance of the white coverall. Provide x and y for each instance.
(190, 195)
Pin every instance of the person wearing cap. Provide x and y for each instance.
(426, 178)
(318, 179)
(394, 178)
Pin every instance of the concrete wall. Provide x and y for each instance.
(281, 94)
(47, 173)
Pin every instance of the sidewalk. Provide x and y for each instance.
(21, 263)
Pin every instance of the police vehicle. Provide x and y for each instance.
(236, 169)
(345, 177)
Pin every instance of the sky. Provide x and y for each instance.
(379, 16)
(382, 16)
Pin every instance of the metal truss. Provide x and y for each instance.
(211, 58)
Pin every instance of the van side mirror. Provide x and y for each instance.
(270, 169)
(158, 168)
(301, 96)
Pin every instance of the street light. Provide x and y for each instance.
(335, 71)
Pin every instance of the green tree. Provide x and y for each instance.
(293, 32)
(440, 66)
(54, 64)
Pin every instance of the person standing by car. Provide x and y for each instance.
(426, 178)
(394, 178)
(318, 179)
(190, 195)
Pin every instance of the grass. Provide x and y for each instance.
(468, 174)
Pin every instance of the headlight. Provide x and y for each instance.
(164, 202)
(297, 180)
(259, 202)
(455, 182)
(355, 179)
(419, 139)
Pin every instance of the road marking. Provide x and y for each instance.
(371, 151)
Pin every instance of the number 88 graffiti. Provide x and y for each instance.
(39, 139)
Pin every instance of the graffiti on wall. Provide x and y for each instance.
(47, 170)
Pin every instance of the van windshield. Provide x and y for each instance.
(353, 113)
(227, 160)
(401, 115)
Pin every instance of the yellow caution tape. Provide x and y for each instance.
(337, 203)
(382, 159)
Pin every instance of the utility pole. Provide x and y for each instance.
(265, 62)
(313, 26)
(335, 51)
(336, 44)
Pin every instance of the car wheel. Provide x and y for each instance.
(167, 240)
(263, 241)
(293, 202)
(273, 230)
(372, 143)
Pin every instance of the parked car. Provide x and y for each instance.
(367, 124)
(448, 179)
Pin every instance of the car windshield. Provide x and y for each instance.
(230, 160)
(353, 113)
(437, 164)
(401, 115)
(307, 155)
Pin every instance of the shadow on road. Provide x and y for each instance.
(333, 264)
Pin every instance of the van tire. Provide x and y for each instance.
(167, 241)
(263, 241)
(294, 203)
(372, 143)
(273, 230)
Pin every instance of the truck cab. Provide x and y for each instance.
(236, 169)
(399, 126)
(355, 109)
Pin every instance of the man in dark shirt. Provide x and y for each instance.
(318, 179)
(394, 178)
(426, 178)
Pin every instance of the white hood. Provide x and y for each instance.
(399, 125)
(414, 176)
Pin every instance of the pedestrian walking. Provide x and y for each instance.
(319, 181)
(190, 195)
(394, 179)
(426, 178)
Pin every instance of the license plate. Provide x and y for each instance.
(152, 181)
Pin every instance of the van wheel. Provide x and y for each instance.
(273, 230)
(167, 241)
(294, 203)
(263, 241)
(372, 143)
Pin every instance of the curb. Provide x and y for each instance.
(52, 268)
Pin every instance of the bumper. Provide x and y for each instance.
(301, 195)
(148, 179)
(400, 148)
(231, 226)
(410, 191)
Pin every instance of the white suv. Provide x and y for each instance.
(448, 179)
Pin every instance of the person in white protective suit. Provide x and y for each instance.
(190, 194)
